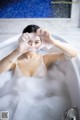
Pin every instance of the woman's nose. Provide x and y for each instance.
(33, 44)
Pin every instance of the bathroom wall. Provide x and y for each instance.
(35, 9)
(65, 27)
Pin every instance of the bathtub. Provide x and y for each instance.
(72, 71)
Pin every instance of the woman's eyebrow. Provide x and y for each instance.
(37, 40)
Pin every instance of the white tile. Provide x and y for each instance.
(62, 27)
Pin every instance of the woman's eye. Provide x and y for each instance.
(36, 42)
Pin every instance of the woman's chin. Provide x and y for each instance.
(32, 50)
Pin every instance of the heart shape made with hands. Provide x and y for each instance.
(23, 42)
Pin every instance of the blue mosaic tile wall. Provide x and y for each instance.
(33, 9)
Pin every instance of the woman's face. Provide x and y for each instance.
(34, 41)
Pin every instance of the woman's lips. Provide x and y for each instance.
(32, 49)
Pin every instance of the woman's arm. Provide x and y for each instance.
(66, 48)
(7, 62)
(51, 58)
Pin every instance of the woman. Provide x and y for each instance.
(29, 43)
(29, 95)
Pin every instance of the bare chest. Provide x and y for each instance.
(29, 66)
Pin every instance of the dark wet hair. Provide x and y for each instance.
(31, 29)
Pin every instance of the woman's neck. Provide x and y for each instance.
(31, 54)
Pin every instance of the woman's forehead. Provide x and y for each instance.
(33, 36)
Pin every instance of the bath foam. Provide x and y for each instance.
(35, 98)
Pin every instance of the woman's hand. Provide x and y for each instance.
(45, 35)
(66, 48)
(23, 43)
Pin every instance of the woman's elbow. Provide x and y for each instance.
(74, 54)
(2, 69)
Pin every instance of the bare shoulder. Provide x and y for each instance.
(52, 57)
(22, 56)
(49, 58)
(18, 60)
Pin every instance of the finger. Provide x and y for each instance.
(38, 31)
(23, 39)
(44, 32)
(47, 33)
(41, 31)
(26, 36)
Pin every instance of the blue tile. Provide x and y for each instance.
(30, 9)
